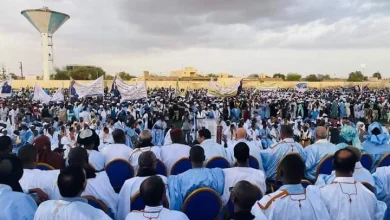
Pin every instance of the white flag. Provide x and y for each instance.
(94, 88)
(43, 97)
(216, 91)
(130, 92)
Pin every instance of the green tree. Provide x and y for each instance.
(356, 76)
(60, 74)
(125, 76)
(212, 75)
(253, 76)
(312, 78)
(279, 75)
(377, 75)
(108, 77)
(322, 77)
(293, 77)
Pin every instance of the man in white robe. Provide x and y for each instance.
(118, 150)
(98, 183)
(315, 152)
(144, 146)
(172, 153)
(34, 180)
(242, 171)
(210, 147)
(360, 174)
(254, 150)
(152, 191)
(292, 201)
(71, 183)
(147, 167)
(345, 198)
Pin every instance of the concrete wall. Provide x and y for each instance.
(224, 82)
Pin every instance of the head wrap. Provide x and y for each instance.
(376, 139)
(349, 133)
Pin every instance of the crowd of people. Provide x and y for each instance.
(285, 133)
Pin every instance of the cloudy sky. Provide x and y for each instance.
(235, 36)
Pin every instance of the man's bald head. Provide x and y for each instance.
(244, 195)
(344, 162)
(321, 133)
(241, 133)
(356, 151)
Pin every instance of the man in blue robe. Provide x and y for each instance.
(180, 186)
(158, 132)
(376, 142)
(73, 94)
(6, 88)
(342, 109)
(275, 153)
(317, 151)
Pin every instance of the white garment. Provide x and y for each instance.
(347, 199)
(96, 159)
(43, 179)
(98, 187)
(172, 153)
(86, 115)
(116, 151)
(146, 121)
(158, 213)
(282, 205)
(138, 151)
(69, 210)
(129, 188)
(213, 149)
(235, 174)
(167, 139)
(53, 140)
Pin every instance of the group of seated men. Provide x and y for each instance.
(350, 192)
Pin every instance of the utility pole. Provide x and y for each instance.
(21, 69)
(3, 71)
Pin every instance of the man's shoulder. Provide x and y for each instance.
(269, 199)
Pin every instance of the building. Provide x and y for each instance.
(186, 72)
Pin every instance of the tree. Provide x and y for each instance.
(78, 73)
(109, 77)
(377, 75)
(12, 75)
(312, 78)
(323, 77)
(293, 77)
(125, 76)
(279, 75)
(253, 76)
(212, 75)
(356, 76)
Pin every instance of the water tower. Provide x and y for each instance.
(46, 22)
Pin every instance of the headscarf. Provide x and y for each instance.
(45, 155)
(350, 134)
(376, 139)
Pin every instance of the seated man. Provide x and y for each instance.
(152, 191)
(272, 155)
(242, 172)
(254, 150)
(360, 174)
(172, 153)
(347, 199)
(146, 168)
(119, 150)
(71, 184)
(376, 142)
(243, 196)
(382, 186)
(292, 201)
(16, 205)
(88, 139)
(144, 146)
(35, 180)
(180, 186)
(210, 147)
(315, 152)
(98, 183)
